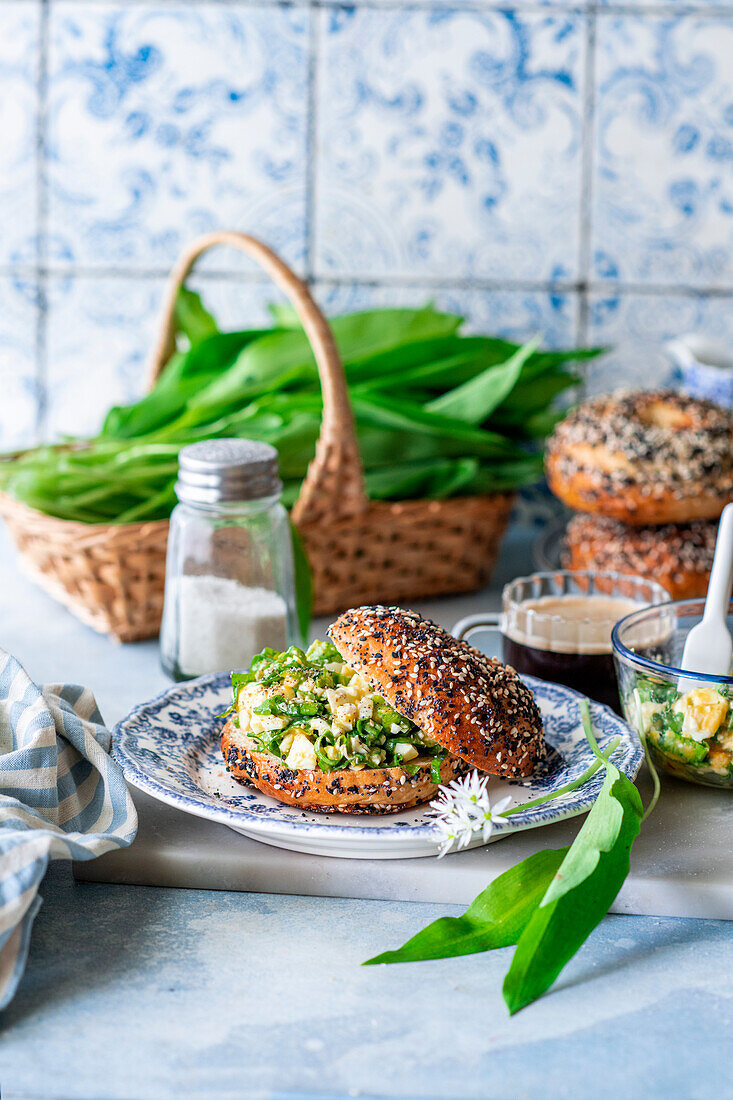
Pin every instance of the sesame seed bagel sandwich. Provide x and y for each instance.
(376, 719)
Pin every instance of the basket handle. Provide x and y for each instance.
(333, 487)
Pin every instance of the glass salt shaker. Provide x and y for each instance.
(229, 585)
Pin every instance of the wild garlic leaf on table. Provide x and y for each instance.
(580, 894)
(496, 918)
(549, 903)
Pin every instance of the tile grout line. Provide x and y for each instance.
(586, 183)
(311, 141)
(518, 285)
(51, 271)
(629, 7)
(41, 268)
(578, 7)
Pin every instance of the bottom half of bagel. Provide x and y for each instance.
(677, 556)
(370, 791)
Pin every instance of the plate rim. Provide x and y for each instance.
(407, 835)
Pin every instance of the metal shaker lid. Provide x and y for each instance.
(227, 470)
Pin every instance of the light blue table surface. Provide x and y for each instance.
(136, 992)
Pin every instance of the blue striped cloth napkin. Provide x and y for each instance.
(61, 797)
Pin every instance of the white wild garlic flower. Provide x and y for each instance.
(463, 809)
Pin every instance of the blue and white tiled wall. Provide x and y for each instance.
(553, 167)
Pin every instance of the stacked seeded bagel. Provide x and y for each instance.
(649, 473)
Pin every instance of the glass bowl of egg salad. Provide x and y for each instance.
(689, 733)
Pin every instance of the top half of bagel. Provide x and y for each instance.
(660, 436)
(473, 705)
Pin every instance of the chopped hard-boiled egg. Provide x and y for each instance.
(345, 716)
(286, 743)
(704, 711)
(648, 710)
(302, 753)
(366, 707)
(262, 723)
(725, 738)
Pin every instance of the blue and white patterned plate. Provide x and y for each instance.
(169, 748)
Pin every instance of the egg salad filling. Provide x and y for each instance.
(694, 728)
(312, 711)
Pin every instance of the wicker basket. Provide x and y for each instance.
(111, 577)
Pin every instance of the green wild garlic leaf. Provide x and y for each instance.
(474, 401)
(496, 918)
(192, 317)
(580, 894)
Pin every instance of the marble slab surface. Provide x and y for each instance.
(682, 863)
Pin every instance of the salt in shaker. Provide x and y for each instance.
(229, 588)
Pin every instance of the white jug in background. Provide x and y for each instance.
(703, 367)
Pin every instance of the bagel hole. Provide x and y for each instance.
(661, 414)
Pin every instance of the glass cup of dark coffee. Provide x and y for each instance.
(557, 626)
